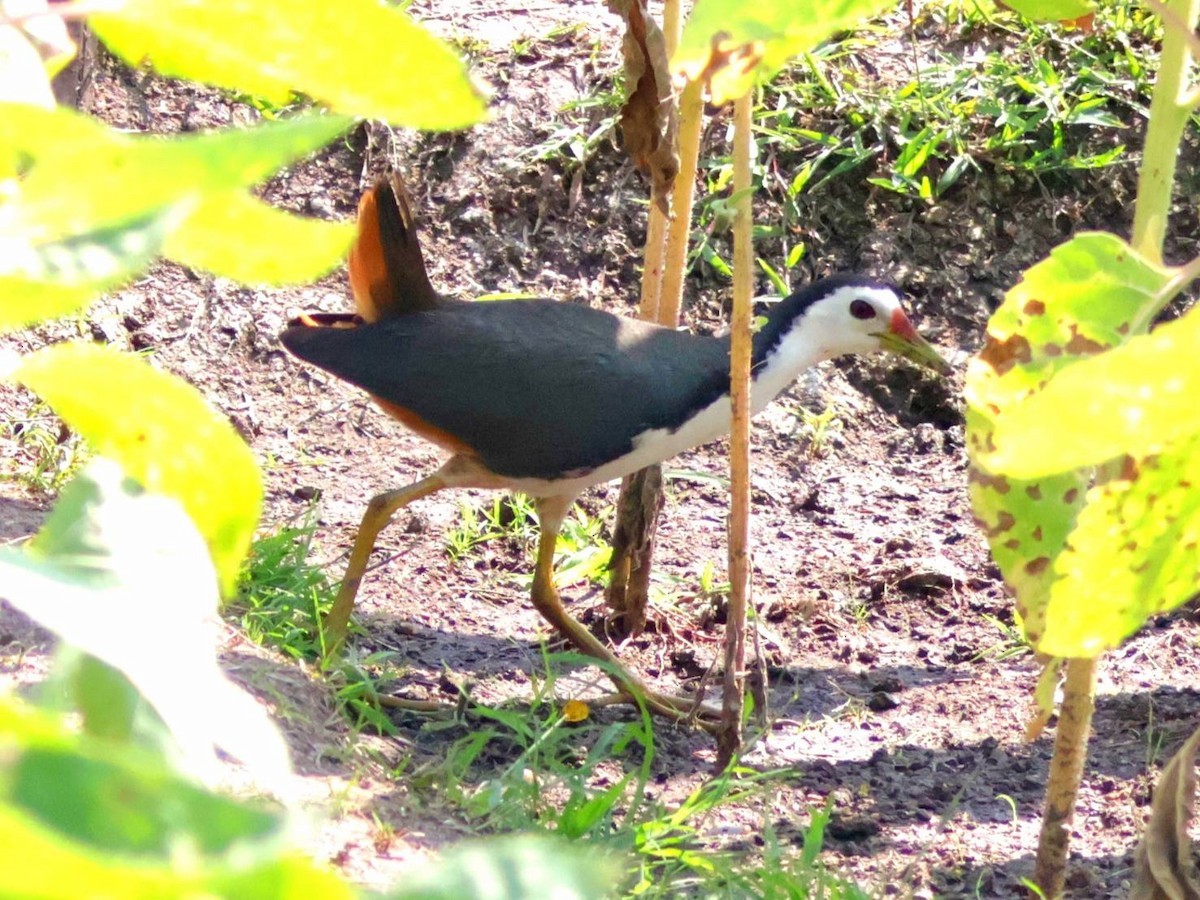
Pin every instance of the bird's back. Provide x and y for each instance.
(537, 388)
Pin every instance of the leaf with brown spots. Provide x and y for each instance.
(1132, 555)
(1003, 355)
(649, 118)
(1077, 299)
(1130, 400)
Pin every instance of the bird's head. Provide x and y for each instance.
(850, 314)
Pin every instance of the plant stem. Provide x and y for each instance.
(729, 739)
(656, 228)
(1066, 771)
(1170, 109)
(640, 499)
(691, 119)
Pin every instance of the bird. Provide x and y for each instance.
(548, 397)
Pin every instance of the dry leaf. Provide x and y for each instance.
(729, 62)
(649, 118)
(1164, 868)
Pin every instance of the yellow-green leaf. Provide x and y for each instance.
(42, 281)
(733, 43)
(361, 57)
(164, 435)
(130, 175)
(25, 128)
(64, 240)
(1091, 293)
(1134, 552)
(1052, 10)
(238, 236)
(1135, 399)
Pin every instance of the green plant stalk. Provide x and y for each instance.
(729, 738)
(1066, 771)
(1170, 108)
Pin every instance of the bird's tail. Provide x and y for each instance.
(387, 270)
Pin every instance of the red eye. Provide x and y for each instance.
(861, 309)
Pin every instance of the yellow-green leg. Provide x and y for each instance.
(551, 511)
(379, 513)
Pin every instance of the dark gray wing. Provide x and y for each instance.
(538, 388)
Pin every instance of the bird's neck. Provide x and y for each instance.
(785, 346)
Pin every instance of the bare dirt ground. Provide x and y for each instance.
(883, 617)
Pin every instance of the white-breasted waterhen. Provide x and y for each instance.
(550, 398)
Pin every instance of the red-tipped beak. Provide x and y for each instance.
(902, 339)
(902, 326)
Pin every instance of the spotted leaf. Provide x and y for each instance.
(1091, 294)
(1136, 400)
(1132, 554)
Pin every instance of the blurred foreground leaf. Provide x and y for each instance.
(732, 44)
(521, 867)
(361, 57)
(64, 240)
(123, 575)
(164, 435)
(82, 815)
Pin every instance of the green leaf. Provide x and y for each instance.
(1132, 554)
(124, 576)
(75, 810)
(235, 235)
(1052, 10)
(43, 281)
(733, 43)
(360, 57)
(515, 867)
(107, 699)
(1092, 293)
(64, 240)
(164, 435)
(1136, 400)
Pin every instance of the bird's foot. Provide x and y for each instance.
(682, 710)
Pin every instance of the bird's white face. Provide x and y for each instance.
(866, 319)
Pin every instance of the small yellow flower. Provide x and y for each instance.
(575, 711)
